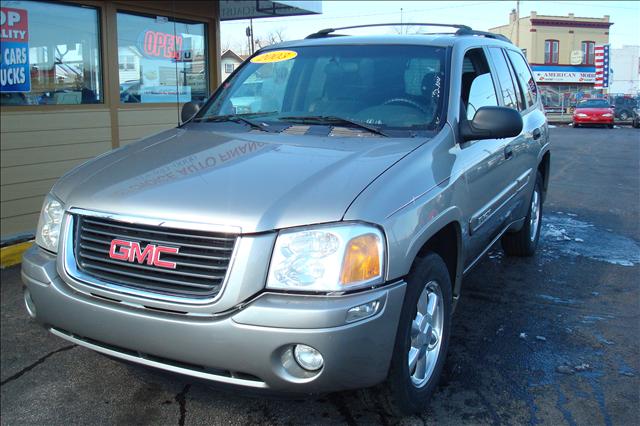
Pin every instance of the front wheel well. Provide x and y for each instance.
(446, 244)
(544, 169)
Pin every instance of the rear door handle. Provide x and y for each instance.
(536, 134)
(508, 152)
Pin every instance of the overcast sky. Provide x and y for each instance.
(480, 15)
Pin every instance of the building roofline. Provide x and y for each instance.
(230, 53)
(544, 22)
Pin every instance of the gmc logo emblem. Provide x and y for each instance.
(130, 251)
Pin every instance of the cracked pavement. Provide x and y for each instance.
(552, 339)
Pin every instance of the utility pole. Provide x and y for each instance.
(250, 41)
(518, 23)
(253, 46)
(401, 26)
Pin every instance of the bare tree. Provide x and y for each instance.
(273, 37)
(406, 29)
(226, 45)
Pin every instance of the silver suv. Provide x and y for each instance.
(316, 240)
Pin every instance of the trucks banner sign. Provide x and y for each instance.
(14, 50)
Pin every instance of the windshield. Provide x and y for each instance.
(386, 87)
(593, 103)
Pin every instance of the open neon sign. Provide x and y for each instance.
(157, 44)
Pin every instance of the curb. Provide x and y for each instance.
(12, 255)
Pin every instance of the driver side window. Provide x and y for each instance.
(478, 89)
(482, 93)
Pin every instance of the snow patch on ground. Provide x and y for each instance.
(564, 234)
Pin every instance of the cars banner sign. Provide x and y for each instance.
(14, 50)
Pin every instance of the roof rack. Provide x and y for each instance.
(469, 31)
(327, 31)
(461, 30)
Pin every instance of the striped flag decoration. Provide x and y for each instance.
(602, 66)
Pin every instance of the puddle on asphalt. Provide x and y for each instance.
(557, 299)
(564, 234)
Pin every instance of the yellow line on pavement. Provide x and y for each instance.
(12, 255)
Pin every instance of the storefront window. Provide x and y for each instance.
(161, 60)
(564, 97)
(50, 54)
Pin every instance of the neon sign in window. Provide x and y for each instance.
(162, 45)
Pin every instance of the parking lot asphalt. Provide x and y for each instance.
(552, 339)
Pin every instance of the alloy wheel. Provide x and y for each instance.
(534, 220)
(426, 334)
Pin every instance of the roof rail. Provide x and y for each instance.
(469, 31)
(327, 31)
(461, 30)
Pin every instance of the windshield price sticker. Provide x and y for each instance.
(276, 56)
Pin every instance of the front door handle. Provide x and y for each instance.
(536, 134)
(508, 152)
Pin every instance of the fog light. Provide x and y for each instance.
(308, 358)
(361, 312)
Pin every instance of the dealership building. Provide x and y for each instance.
(561, 51)
(80, 78)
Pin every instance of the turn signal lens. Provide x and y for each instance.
(362, 260)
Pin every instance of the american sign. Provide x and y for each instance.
(569, 76)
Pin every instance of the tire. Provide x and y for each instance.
(524, 242)
(575, 125)
(610, 126)
(624, 115)
(404, 392)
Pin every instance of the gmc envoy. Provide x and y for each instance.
(307, 228)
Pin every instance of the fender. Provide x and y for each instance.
(427, 231)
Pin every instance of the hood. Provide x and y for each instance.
(594, 110)
(249, 180)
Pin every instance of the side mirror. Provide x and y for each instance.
(189, 110)
(491, 122)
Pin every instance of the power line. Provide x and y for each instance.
(602, 6)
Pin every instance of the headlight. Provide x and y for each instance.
(327, 258)
(49, 224)
(582, 115)
(607, 114)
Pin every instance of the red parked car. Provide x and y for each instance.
(593, 111)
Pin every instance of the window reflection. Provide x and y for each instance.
(63, 56)
(160, 60)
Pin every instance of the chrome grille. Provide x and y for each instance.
(201, 263)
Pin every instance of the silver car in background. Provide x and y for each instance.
(313, 239)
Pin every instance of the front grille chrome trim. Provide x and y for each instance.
(71, 269)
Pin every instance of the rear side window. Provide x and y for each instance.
(527, 84)
(503, 74)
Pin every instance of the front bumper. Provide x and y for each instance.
(249, 345)
(592, 120)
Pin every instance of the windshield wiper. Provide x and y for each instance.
(238, 118)
(331, 119)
